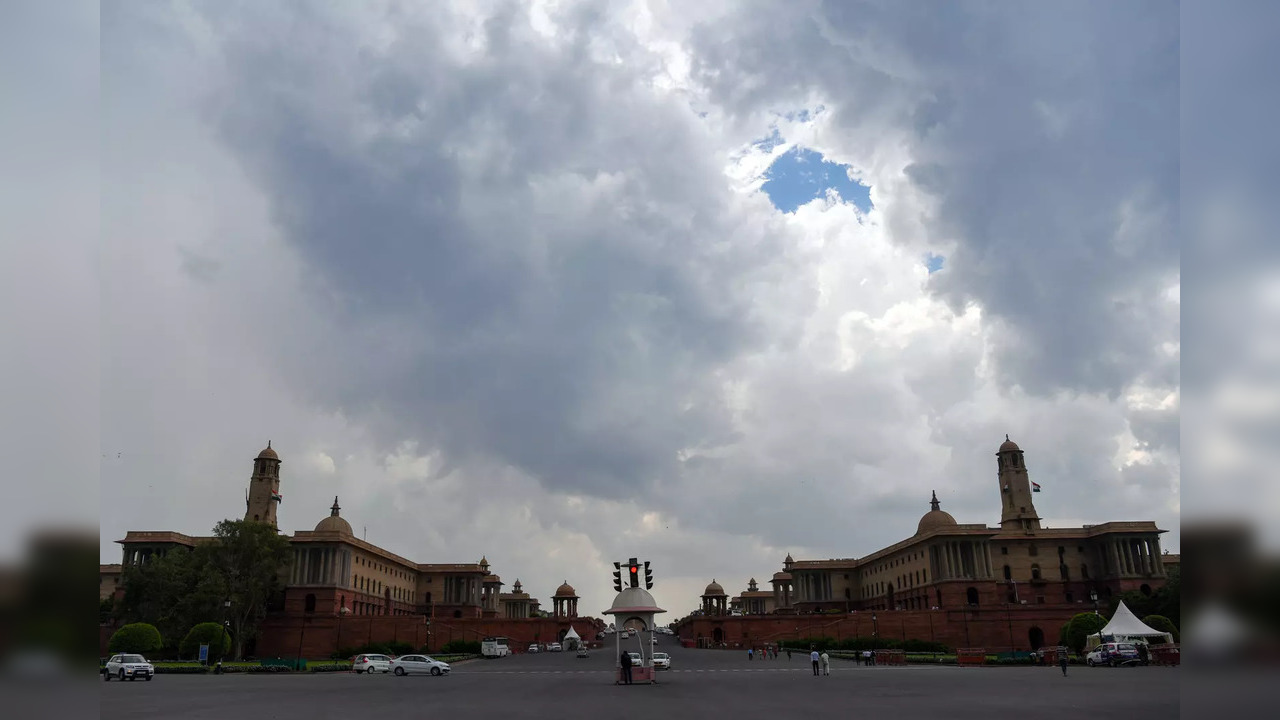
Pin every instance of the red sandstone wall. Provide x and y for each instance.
(989, 628)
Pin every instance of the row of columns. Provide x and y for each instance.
(1130, 556)
(715, 604)
(814, 586)
(564, 606)
(960, 559)
(321, 566)
(461, 590)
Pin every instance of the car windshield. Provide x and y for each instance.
(661, 656)
(134, 658)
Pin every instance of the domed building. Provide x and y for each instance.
(714, 599)
(334, 523)
(564, 604)
(947, 564)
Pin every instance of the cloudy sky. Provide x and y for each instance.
(562, 283)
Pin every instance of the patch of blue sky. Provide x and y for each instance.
(800, 175)
(934, 262)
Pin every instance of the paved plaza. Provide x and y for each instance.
(702, 683)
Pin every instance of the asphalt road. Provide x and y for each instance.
(701, 684)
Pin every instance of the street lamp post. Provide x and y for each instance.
(222, 641)
(301, 633)
(1093, 595)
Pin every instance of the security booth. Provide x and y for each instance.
(634, 607)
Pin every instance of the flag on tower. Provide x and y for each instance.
(1035, 487)
(277, 496)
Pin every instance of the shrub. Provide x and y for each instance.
(210, 633)
(1163, 624)
(328, 667)
(142, 638)
(461, 647)
(1081, 627)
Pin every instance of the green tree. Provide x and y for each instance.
(1161, 623)
(1081, 627)
(142, 638)
(207, 633)
(172, 591)
(247, 558)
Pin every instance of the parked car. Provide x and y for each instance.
(534, 648)
(635, 658)
(582, 652)
(554, 647)
(418, 664)
(1113, 654)
(371, 663)
(128, 667)
(661, 661)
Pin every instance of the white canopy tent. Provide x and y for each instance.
(1126, 627)
(572, 640)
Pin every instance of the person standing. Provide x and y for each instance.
(750, 652)
(826, 663)
(814, 658)
(1062, 661)
(626, 668)
(788, 654)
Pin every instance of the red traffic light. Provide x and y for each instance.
(634, 570)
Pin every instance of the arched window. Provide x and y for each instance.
(1035, 572)
(972, 595)
(1008, 574)
(311, 602)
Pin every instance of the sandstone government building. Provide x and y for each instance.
(1009, 587)
(341, 591)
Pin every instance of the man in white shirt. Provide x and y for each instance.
(814, 658)
(826, 663)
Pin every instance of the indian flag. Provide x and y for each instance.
(1035, 487)
(280, 498)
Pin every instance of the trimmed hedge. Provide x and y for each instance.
(864, 643)
(211, 633)
(141, 638)
(461, 647)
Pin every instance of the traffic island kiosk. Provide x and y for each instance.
(632, 607)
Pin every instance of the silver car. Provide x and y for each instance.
(128, 667)
(371, 663)
(418, 664)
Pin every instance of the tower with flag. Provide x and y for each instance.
(1017, 511)
(263, 497)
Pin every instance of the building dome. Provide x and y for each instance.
(267, 453)
(333, 523)
(935, 518)
(1008, 445)
(633, 600)
(713, 589)
(565, 590)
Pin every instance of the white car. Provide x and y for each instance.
(635, 659)
(371, 663)
(534, 648)
(661, 661)
(418, 664)
(554, 647)
(128, 667)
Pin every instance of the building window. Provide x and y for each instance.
(1039, 599)
(1035, 572)
(1070, 597)
(1084, 571)
(1004, 551)
(311, 603)
(1080, 549)
(1008, 574)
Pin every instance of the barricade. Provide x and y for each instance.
(891, 657)
(971, 656)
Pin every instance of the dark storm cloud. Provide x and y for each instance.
(530, 261)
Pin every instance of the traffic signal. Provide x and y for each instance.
(635, 575)
(617, 577)
(648, 576)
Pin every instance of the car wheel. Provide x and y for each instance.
(121, 675)
(106, 675)
(149, 677)
(400, 671)
(1089, 663)
(435, 671)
